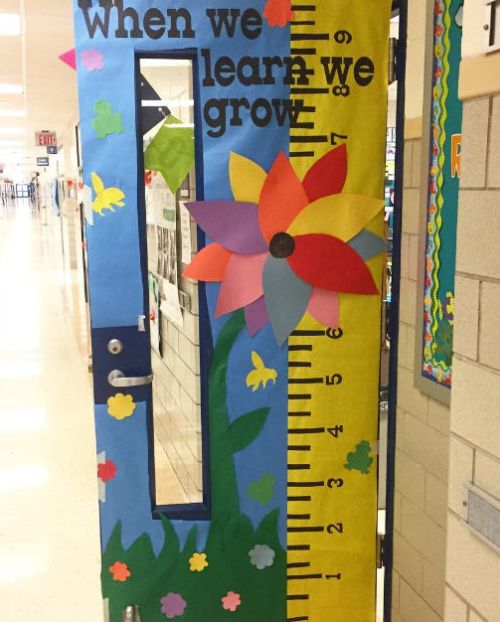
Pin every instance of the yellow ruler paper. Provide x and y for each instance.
(334, 374)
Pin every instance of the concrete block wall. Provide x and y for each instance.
(473, 568)
(422, 443)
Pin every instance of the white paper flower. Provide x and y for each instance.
(262, 556)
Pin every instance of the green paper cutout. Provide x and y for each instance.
(231, 535)
(263, 489)
(360, 460)
(106, 121)
(247, 428)
(171, 153)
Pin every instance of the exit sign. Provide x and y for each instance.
(46, 139)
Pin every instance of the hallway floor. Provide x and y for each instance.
(49, 544)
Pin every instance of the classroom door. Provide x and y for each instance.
(233, 161)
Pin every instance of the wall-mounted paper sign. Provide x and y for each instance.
(52, 150)
(42, 161)
(45, 139)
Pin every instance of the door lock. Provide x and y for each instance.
(115, 346)
(117, 379)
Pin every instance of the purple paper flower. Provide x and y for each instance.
(173, 605)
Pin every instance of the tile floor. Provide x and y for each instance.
(49, 544)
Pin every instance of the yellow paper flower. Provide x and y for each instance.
(121, 406)
(198, 562)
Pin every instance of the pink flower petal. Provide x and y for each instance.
(324, 306)
(242, 283)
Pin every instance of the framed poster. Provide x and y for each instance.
(442, 178)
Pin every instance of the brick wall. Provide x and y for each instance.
(422, 443)
(473, 569)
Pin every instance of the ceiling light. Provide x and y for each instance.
(12, 130)
(11, 89)
(12, 143)
(10, 24)
(12, 113)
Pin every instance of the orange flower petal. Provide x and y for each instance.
(281, 199)
(209, 264)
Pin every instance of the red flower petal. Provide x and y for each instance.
(327, 175)
(327, 262)
(281, 199)
(209, 264)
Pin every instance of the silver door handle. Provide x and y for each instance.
(117, 378)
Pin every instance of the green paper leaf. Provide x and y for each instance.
(106, 121)
(247, 428)
(171, 152)
(262, 490)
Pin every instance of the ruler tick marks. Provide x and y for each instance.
(305, 36)
(302, 413)
(306, 381)
(306, 430)
(299, 565)
(306, 484)
(305, 22)
(298, 597)
(303, 7)
(306, 529)
(299, 396)
(298, 516)
(309, 139)
(301, 154)
(308, 333)
(299, 498)
(303, 51)
(298, 619)
(305, 348)
(299, 467)
(299, 364)
(299, 547)
(309, 90)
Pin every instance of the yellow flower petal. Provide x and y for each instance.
(198, 562)
(340, 215)
(247, 178)
(121, 406)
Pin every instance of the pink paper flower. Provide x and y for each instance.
(287, 246)
(92, 60)
(173, 605)
(231, 601)
(120, 572)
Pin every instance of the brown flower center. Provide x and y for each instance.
(282, 245)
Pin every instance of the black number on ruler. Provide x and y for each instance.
(333, 140)
(337, 576)
(338, 429)
(335, 528)
(335, 333)
(343, 36)
(335, 482)
(341, 90)
(333, 380)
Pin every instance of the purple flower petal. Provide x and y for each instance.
(233, 224)
(256, 316)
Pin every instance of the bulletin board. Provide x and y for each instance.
(442, 189)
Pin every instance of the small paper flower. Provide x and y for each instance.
(92, 60)
(262, 556)
(121, 406)
(278, 12)
(173, 605)
(120, 571)
(106, 471)
(198, 562)
(231, 601)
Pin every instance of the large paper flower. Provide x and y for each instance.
(285, 246)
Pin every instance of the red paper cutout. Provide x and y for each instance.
(278, 12)
(281, 199)
(106, 471)
(329, 263)
(327, 176)
(209, 264)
